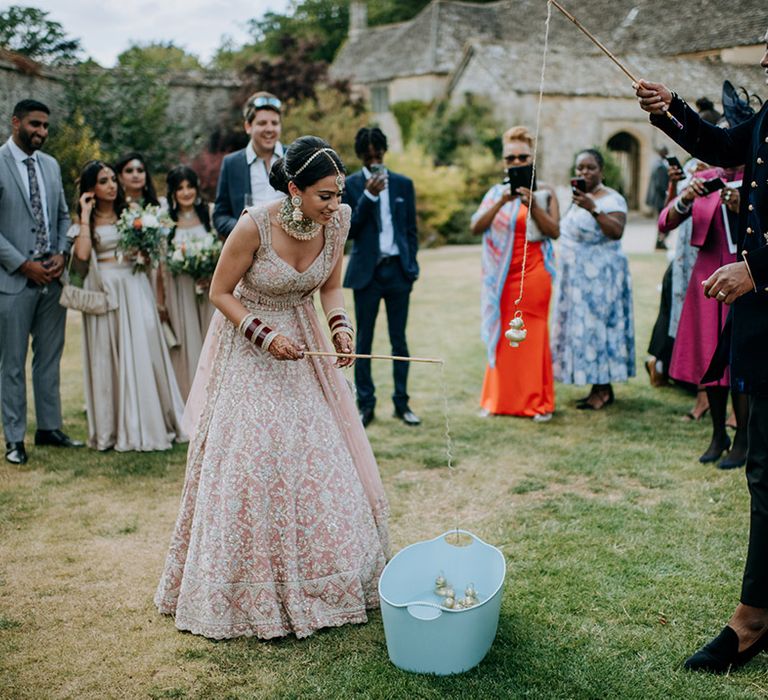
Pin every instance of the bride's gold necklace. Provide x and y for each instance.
(294, 223)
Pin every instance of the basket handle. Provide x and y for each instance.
(424, 611)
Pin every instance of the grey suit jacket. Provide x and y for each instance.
(17, 225)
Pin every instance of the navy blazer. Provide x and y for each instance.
(745, 337)
(364, 228)
(234, 183)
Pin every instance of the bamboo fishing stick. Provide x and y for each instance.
(396, 358)
(600, 46)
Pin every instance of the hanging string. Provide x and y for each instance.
(535, 151)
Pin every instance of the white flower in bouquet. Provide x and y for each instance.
(149, 220)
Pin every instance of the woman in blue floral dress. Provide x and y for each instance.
(593, 338)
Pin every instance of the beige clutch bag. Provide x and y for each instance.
(170, 337)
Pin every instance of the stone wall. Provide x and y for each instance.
(197, 101)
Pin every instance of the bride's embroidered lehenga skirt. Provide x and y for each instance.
(282, 527)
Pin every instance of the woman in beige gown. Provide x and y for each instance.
(282, 526)
(132, 399)
(186, 301)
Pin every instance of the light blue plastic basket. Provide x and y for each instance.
(422, 635)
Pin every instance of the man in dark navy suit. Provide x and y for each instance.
(244, 177)
(744, 343)
(382, 264)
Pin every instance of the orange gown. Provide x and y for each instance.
(522, 383)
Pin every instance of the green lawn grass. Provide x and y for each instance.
(623, 552)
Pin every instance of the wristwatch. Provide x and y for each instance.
(597, 211)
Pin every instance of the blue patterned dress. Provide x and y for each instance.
(593, 337)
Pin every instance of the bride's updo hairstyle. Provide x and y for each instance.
(296, 165)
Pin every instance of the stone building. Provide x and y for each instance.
(495, 50)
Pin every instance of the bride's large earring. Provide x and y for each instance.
(296, 202)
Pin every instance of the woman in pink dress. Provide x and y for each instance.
(282, 528)
(702, 319)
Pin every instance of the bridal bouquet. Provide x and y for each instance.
(143, 235)
(196, 257)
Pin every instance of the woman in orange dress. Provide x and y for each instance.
(518, 381)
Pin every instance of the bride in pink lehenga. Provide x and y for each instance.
(282, 527)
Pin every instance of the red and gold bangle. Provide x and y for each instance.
(343, 329)
(334, 311)
(338, 318)
(256, 332)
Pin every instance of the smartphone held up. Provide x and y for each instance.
(578, 184)
(714, 185)
(520, 176)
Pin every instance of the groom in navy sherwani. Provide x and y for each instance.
(382, 264)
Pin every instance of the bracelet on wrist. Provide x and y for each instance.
(334, 311)
(246, 321)
(682, 207)
(256, 332)
(268, 339)
(346, 330)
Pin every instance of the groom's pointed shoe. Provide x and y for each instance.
(722, 653)
(15, 453)
(55, 438)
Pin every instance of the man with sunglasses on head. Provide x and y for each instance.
(244, 176)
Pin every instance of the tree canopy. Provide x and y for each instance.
(27, 31)
(325, 23)
(164, 56)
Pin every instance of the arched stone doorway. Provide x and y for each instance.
(625, 149)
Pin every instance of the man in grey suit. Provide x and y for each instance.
(33, 245)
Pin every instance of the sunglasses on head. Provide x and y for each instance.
(258, 102)
(522, 158)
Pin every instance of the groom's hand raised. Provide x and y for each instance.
(654, 98)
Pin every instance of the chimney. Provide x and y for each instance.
(358, 18)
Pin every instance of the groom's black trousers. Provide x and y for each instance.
(754, 588)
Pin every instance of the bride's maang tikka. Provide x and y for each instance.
(327, 151)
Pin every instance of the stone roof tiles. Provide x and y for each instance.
(433, 41)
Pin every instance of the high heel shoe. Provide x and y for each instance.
(722, 653)
(714, 452)
(731, 461)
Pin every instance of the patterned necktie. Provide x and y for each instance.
(41, 235)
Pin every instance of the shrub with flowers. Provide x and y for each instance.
(143, 235)
(196, 257)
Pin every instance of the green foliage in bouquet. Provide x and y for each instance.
(143, 235)
(196, 258)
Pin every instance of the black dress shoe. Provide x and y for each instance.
(722, 653)
(15, 453)
(408, 417)
(55, 438)
(366, 416)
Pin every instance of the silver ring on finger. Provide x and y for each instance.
(721, 295)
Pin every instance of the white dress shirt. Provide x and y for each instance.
(261, 191)
(387, 245)
(19, 156)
